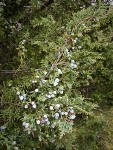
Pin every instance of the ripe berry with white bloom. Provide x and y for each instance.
(79, 47)
(34, 106)
(73, 66)
(67, 50)
(21, 97)
(73, 48)
(66, 113)
(26, 106)
(53, 126)
(61, 92)
(52, 95)
(51, 108)
(72, 33)
(23, 41)
(29, 132)
(59, 71)
(49, 96)
(36, 90)
(72, 111)
(27, 125)
(55, 83)
(45, 116)
(67, 53)
(32, 103)
(62, 113)
(48, 122)
(54, 92)
(39, 137)
(3, 127)
(34, 81)
(57, 106)
(56, 80)
(37, 77)
(56, 115)
(45, 72)
(44, 81)
(14, 143)
(75, 41)
(16, 148)
(24, 95)
(46, 119)
(38, 121)
(24, 123)
(18, 93)
(72, 61)
(72, 117)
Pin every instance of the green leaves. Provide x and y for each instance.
(64, 127)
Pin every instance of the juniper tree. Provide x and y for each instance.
(61, 66)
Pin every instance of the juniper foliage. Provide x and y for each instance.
(58, 55)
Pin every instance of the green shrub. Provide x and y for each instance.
(62, 72)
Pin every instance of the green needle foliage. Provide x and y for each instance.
(56, 73)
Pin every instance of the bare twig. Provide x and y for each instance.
(12, 71)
